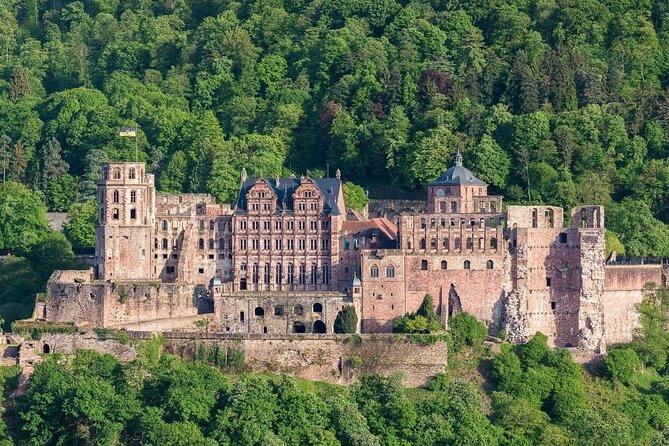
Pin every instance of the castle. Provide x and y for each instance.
(288, 256)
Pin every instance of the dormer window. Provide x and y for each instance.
(132, 173)
(117, 174)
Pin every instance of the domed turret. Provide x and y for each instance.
(455, 190)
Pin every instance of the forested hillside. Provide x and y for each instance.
(551, 101)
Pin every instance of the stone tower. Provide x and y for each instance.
(126, 203)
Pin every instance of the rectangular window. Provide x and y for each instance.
(326, 274)
(133, 214)
(313, 244)
(290, 225)
(133, 196)
(313, 225)
(242, 244)
(278, 225)
(302, 244)
(255, 244)
(266, 225)
(347, 244)
(355, 243)
(301, 225)
(267, 244)
(256, 225)
(325, 244)
(303, 274)
(290, 274)
(325, 225)
(291, 244)
(242, 225)
(548, 281)
(277, 244)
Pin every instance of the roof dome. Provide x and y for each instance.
(458, 174)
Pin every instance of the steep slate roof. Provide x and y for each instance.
(458, 175)
(329, 187)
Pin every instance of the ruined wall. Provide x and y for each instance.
(623, 289)
(477, 290)
(105, 304)
(328, 358)
(278, 312)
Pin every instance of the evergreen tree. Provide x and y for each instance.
(18, 163)
(346, 320)
(53, 166)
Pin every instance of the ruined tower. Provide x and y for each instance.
(126, 203)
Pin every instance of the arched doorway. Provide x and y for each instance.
(46, 348)
(298, 327)
(319, 327)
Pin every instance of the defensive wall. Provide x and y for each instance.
(339, 359)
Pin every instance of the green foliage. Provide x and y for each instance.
(80, 228)
(425, 320)
(621, 364)
(346, 320)
(466, 330)
(22, 217)
(355, 196)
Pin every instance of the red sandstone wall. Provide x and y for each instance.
(622, 292)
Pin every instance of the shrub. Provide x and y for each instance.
(425, 320)
(621, 364)
(346, 321)
(466, 330)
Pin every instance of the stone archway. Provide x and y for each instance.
(319, 327)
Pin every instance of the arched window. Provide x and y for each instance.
(493, 243)
(468, 264)
(423, 265)
(211, 225)
(201, 225)
(584, 218)
(409, 244)
(443, 222)
(115, 214)
(433, 243)
(458, 243)
(374, 271)
(256, 273)
(221, 244)
(298, 327)
(259, 311)
(432, 223)
(390, 271)
(319, 327)
(290, 274)
(481, 243)
(164, 225)
(470, 243)
(211, 243)
(534, 218)
(242, 266)
(279, 273)
(117, 174)
(489, 264)
(164, 243)
(548, 218)
(423, 225)
(422, 243)
(115, 199)
(200, 244)
(447, 243)
(267, 273)
(444, 264)
(317, 307)
(175, 225)
(132, 173)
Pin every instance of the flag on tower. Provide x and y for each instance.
(128, 131)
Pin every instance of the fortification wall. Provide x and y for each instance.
(338, 359)
(623, 290)
(105, 304)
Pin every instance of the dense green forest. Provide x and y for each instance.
(523, 395)
(553, 101)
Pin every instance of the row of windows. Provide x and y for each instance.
(446, 243)
(116, 214)
(279, 310)
(116, 197)
(267, 245)
(301, 206)
(548, 218)
(302, 276)
(444, 206)
(222, 225)
(493, 222)
(116, 174)
(278, 225)
(424, 265)
(390, 271)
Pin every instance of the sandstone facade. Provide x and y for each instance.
(289, 256)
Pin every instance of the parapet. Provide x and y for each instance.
(587, 217)
(534, 216)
